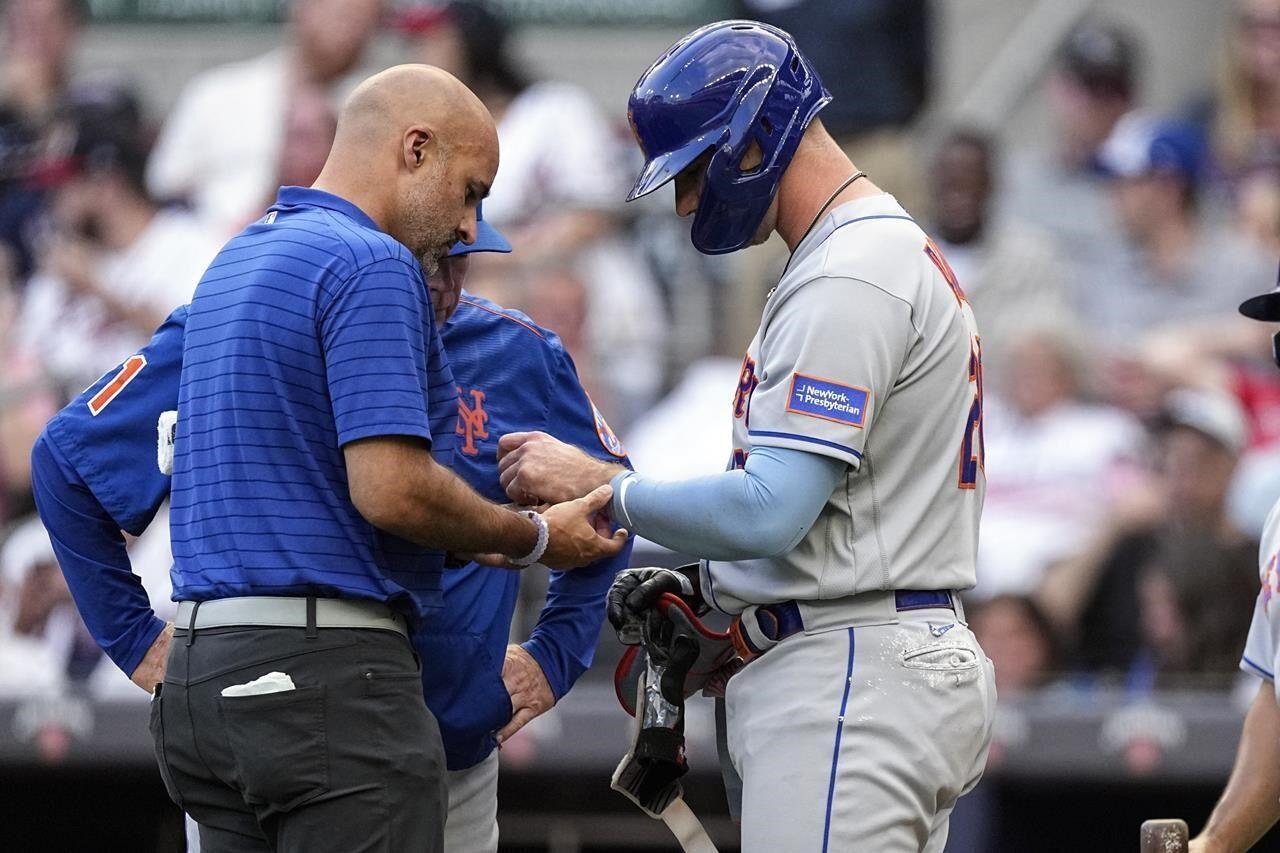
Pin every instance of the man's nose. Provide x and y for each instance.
(686, 202)
(466, 232)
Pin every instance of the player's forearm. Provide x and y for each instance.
(760, 511)
(399, 488)
(1250, 804)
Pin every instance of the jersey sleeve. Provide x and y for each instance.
(564, 640)
(1259, 649)
(112, 432)
(376, 333)
(91, 552)
(829, 355)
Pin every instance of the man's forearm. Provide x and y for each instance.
(399, 488)
(1250, 804)
(446, 513)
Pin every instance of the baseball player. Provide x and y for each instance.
(101, 466)
(848, 518)
(1250, 804)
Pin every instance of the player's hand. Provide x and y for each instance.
(634, 593)
(151, 671)
(534, 467)
(531, 694)
(573, 537)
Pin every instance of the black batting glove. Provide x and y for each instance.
(635, 593)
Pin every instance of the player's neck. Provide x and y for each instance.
(818, 168)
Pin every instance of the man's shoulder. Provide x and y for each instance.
(477, 317)
(349, 245)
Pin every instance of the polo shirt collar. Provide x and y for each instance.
(309, 197)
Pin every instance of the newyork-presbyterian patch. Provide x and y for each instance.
(830, 401)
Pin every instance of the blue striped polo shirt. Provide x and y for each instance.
(311, 329)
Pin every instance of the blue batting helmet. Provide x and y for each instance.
(719, 89)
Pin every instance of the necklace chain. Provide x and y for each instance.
(814, 221)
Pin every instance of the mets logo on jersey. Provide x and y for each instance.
(472, 420)
(747, 382)
(608, 439)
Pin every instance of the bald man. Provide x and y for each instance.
(311, 497)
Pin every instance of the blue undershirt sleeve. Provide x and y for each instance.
(762, 510)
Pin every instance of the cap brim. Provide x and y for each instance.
(1264, 307)
(661, 169)
(488, 239)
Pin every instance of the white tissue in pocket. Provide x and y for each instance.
(272, 682)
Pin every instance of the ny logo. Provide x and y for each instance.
(471, 420)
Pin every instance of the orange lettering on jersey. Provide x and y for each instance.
(471, 420)
(132, 367)
(935, 254)
(1268, 583)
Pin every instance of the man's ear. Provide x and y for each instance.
(418, 143)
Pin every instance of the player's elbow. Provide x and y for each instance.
(383, 479)
(772, 536)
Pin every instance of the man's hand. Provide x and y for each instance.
(531, 695)
(574, 538)
(534, 468)
(578, 534)
(151, 671)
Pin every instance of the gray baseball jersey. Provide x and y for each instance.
(1260, 657)
(867, 352)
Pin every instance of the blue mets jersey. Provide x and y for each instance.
(513, 376)
(95, 471)
(311, 329)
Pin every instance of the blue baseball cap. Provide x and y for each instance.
(488, 239)
(1140, 146)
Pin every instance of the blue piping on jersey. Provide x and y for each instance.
(1270, 676)
(835, 752)
(822, 441)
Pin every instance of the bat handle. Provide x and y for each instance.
(1164, 836)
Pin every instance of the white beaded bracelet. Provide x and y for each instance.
(540, 546)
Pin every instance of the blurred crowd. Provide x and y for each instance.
(1132, 419)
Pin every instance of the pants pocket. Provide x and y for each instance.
(279, 744)
(941, 657)
(156, 725)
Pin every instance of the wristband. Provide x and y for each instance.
(540, 546)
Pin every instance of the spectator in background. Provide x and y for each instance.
(37, 39)
(1041, 502)
(41, 635)
(1009, 271)
(1194, 596)
(560, 197)
(1019, 639)
(878, 95)
(1174, 267)
(1257, 206)
(115, 264)
(1246, 112)
(1094, 597)
(223, 141)
(1061, 190)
